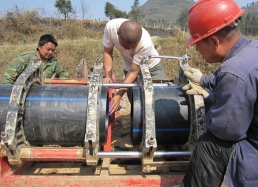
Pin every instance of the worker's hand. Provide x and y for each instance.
(195, 89)
(193, 75)
(108, 80)
(115, 101)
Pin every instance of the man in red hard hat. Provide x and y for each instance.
(227, 153)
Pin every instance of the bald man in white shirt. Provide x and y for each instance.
(134, 43)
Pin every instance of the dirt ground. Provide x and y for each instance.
(121, 135)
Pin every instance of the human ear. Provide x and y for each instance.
(214, 41)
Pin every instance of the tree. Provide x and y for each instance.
(136, 13)
(182, 20)
(109, 10)
(64, 7)
(84, 8)
(120, 14)
(112, 12)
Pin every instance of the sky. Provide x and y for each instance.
(95, 7)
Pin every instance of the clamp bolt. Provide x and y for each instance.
(89, 134)
(4, 136)
(151, 141)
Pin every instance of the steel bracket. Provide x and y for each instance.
(149, 142)
(91, 141)
(198, 125)
(13, 138)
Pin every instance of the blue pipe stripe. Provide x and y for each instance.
(51, 99)
(4, 98)
(48, 99)
(166, 130)
(54, 99)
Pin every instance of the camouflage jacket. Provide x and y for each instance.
(24, 60)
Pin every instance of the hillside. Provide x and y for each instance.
(251, 9)
(165, 11)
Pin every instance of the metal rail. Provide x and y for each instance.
(136, 154)
(129, 85)
(79, 154)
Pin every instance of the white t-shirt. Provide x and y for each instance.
(144, 48)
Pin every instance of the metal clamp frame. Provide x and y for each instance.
(183, 66)
(149, 142)
(197, 107)
(13, 138)
(198, 125)
(91, 141)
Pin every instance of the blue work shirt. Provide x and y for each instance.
(234, 115)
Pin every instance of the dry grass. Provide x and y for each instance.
(175, 46)
(70, 52)
(82, 39)
(20, 30)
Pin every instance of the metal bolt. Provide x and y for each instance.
(97, 61)
(186, 57)
(151, 141)
(144, 60)
(147, 169)
(4, 136)
(89, 134)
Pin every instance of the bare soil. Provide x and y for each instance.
(121, 135)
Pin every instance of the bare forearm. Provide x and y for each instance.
(108, 62)
(130, 77)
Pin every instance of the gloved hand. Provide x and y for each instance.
(193, 75)
(195, 89)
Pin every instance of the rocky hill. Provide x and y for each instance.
(252, 8)
(167, 12)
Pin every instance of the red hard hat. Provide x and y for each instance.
(206, 17)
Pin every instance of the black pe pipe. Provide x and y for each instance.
(56, 115)
(172, 114)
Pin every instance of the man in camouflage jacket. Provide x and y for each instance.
(45, 51)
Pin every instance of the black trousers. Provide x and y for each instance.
(209, 162)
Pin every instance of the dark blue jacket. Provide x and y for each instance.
(234, 115)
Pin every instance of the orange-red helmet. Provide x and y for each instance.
(206, 17)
